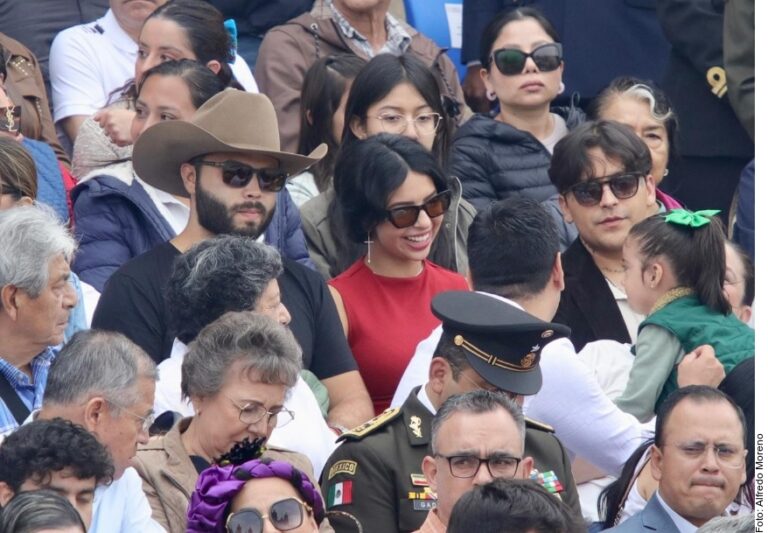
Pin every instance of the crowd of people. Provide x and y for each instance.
(285, 271)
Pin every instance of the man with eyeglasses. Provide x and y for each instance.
(227, 161)
(602, 172)
(485, 344)
(698, 458)
(105, 383)
(476, 437)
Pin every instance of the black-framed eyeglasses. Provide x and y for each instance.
(146, 421)
(238, 175)
(407, 215)
(285, 515)
(396, 123)
(466, 466)
(511, 61)
(253, 413)
(623, 186)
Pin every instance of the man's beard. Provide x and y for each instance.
(214, 216)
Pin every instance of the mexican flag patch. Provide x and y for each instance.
(340, 493)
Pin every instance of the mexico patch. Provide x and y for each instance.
(339, 493)
(343, 467)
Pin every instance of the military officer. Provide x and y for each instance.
(375, 474)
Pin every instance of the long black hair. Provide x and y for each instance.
(379, 77)
(321, 92)
(367, 172)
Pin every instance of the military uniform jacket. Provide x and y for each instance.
(375, 474)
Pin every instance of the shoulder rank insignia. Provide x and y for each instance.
(371, 425)
(415, 426)
(535, 424)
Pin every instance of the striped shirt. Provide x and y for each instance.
(30, 391)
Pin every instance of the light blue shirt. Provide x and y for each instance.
(682, 524)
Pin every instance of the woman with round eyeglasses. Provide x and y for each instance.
(400, 96)
(393, 197)
(258, 495)
(236, 375)
(646, 109)
(507, 153)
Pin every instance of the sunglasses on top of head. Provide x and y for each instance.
(511, 61)
(407, 215)
(623, 186)
(285, 515)
(238, 175)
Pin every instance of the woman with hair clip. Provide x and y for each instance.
(392, 197)
(120, 216)
(397, 95)
(508, 153)
(178, 29)
(323, 101)
(646, 109)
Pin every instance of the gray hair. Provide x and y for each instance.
(643, 93)
(225, 273)
(30, 237)
(265, 347)
(98, 363)
(730, 524)
(477, 402)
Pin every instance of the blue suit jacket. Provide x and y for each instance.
(652, 518)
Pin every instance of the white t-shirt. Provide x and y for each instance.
(308, 433)
(89, 61)
(570, 400)
(122, 507)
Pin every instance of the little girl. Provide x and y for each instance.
(675, 269)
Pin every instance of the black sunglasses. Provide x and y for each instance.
(623, 186)
(238, 175)
(285, 515)
(511, 61)
(407, 215)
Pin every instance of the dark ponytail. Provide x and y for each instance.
(205, 31)
(697, 255)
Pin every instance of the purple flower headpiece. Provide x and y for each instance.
(217, 486)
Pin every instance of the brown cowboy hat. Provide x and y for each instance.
(231, 121)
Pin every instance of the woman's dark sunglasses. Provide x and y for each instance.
(511, 61)
(238, 175)
(623, 186)
(285, 515)
(406, 216)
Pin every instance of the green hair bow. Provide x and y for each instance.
(692, 219)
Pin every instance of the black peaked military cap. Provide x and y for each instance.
(502, 343)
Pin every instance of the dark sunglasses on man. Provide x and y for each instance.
(511, 61)
(238, 175)
(407, 215)
(590, 193)
(285, 515)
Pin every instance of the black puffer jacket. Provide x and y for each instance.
(494, 161)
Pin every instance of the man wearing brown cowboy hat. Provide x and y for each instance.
(227, 160)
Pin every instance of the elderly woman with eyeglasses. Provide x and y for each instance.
(507, 153)
(236, 374)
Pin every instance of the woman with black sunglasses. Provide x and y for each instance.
(507, 152)
(392, 196)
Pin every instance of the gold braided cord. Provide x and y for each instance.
(492, 359)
